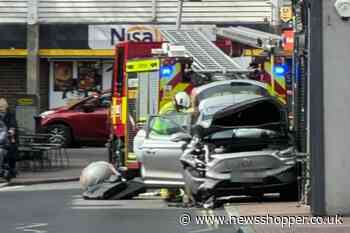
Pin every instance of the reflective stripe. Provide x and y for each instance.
(114, 111)
(124, 110)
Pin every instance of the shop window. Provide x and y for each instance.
(90, 76)
(63, 76)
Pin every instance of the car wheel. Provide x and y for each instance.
(290, 193)
(61, 134)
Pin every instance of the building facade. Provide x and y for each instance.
(49, 46)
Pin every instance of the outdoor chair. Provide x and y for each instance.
(41, 149)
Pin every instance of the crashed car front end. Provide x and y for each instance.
(246, 150)
(241, 173)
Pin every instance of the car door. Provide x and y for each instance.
(102, 115)
(160, 163)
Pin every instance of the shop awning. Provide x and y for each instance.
(13, 52)
(76, 53)
(61, 53)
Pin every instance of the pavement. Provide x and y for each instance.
(59, 208)
(79, 158)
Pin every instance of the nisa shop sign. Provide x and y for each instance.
(107, 36)
(134, 33)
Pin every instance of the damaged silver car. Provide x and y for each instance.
(159, 152)
(246, 148)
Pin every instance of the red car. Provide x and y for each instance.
(85, 121)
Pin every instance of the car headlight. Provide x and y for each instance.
(287, 153)
(46, 113)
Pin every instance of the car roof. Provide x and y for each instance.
(214, 104)
(229, 82)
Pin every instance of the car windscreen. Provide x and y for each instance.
(208, 113)
(169, 124)
(102, 101)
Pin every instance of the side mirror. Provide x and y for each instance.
(88, 108)
(177, 137)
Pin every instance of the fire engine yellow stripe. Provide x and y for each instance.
(114, 120)
(131, 157)
(179, 87)
(124, 110)
(113, 111)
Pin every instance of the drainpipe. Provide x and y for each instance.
(179, 14)
(154, 10)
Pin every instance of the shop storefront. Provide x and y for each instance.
(75, 59)
(81, 56)
(74, 79)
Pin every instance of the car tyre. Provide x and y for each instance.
(60, 134)
(290, 193)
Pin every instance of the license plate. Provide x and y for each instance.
(245, 177)
(235, 178)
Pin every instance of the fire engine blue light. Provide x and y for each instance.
(166, 71)
(280, 70)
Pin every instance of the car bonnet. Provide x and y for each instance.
(262, 112)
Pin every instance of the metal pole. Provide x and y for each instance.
(275, 21)
(33, 61)
(179, 14)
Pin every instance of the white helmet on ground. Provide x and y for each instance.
(96, 173)
(182, 99)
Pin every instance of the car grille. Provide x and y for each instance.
(249, 163)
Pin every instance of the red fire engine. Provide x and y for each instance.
(141, 85)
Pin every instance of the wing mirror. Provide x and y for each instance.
(177, 137)
(88, 108)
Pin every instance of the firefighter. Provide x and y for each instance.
(180, 103)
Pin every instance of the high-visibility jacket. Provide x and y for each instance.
(167, 108)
